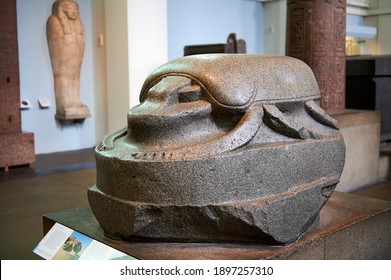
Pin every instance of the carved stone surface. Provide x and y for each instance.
(350, 227)
(66, 41)
(222, 148)
(316, 35)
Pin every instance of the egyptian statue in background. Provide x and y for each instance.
(66, 42)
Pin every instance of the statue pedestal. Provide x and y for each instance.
(18, 147)
(349, 227)
(361, 133)
(74, 114)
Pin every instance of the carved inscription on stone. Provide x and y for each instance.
(316, 35)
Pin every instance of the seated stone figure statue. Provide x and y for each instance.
(222, 148)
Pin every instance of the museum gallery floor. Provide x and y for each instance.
(28, 194)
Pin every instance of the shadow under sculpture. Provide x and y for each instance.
(222, 148)
(66, 42)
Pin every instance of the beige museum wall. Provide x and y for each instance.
(274, 27)
(117, 61)
(384, 24)
(124, 50)
(100, 69)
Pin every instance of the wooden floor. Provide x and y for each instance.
(58, 182)
(55, 182)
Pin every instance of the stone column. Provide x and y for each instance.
(316, 35)
(16, 146)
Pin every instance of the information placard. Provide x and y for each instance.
(63, 243)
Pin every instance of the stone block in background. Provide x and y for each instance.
(368, 87)
(361, 132)
(233, 45)
(17, 149)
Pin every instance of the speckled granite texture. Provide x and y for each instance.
(222, 148)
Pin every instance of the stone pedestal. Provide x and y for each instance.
(232, 46)
(16, 147)
(315, 34)
(361, 132)
(349, 227)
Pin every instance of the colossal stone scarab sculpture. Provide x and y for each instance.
(222, 148)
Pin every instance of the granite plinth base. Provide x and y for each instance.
(349, 227)
(361, 133)
(16, 149)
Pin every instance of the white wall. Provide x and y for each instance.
(36, 80)
(117, 54)
(147, 41)
(100, 69)
(136, 39)
(274, 27)
(193, 22)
